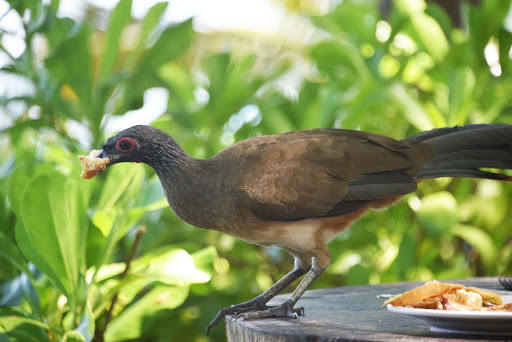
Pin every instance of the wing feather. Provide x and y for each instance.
(318, 173)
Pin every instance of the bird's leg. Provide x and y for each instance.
(259, 303)
(286, 308)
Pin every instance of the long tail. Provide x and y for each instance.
(461, 151)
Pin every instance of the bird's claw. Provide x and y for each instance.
(283, 310)
(256, 304)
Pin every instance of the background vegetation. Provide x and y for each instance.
(64, 241)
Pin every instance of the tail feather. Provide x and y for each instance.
(498, 154)
(464, 173)
(469, 164)
(461, 151)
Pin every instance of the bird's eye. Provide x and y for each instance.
(125, 144)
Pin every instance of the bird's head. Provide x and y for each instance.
(140, 144)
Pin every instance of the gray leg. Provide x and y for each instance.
(286, 308)
(259, 303)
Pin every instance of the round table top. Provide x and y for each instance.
(352, 313)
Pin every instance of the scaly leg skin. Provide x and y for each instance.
(258, 304)
(286, 308)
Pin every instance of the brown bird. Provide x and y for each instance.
(297, 190)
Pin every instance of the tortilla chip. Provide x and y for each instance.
(432, 293)
(424, 293)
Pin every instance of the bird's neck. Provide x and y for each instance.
(167, 156)
(188, 190)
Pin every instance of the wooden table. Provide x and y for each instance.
(351, 313)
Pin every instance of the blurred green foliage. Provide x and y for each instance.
(64, 241)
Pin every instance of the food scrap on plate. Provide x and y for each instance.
(455, 297)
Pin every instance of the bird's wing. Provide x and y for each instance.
(320, 172)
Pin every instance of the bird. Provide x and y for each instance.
(298, 190)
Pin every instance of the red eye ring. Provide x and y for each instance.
(126, 144)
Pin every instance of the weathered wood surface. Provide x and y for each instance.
(351, 313)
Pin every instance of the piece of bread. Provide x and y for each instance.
(92, 165)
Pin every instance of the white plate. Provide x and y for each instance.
(463, 322)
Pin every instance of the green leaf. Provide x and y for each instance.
(119, 18)
(11, 293)
(175, 267)
(117, 196)
(411, 108)
(10, 251)
(22, 326)
(108, 246)
(318, 111)
(19, 180)
(18, 288)
(73, 336)
(428, 30)
(31, 295)
(438, 213)
(132, 287)
(151, 196)
(71, 64)
(122, 186)
(462, 85)
(29, 251)
(481, 242)
(149, 23)
(340, 56)
(169, 265)
(52, 210)
(87, 325)
(28, 333)
(181, 87)
(276, 121)
(128, 325)
(356, 19)
(173, 42)
(205, 258)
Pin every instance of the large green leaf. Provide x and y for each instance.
(439, 213)
(117, 197)
(411, 108)
(481, 242)
(10, 251)
(119, 18)
(205, 258)
(22, 326)
(19, 180)
(73, 336)
(429, 31)
(169, 265)
(171, 44)
(31, 295)
(52, 211)
(174, 267)
(276, 121)
(87, 326)
(71, 64)
(29, 251)
(462, 85)
(128, 325)
(149, 23)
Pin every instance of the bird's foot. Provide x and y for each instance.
(283, 310)
(257, 304)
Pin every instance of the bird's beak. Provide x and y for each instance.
(114, 158)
